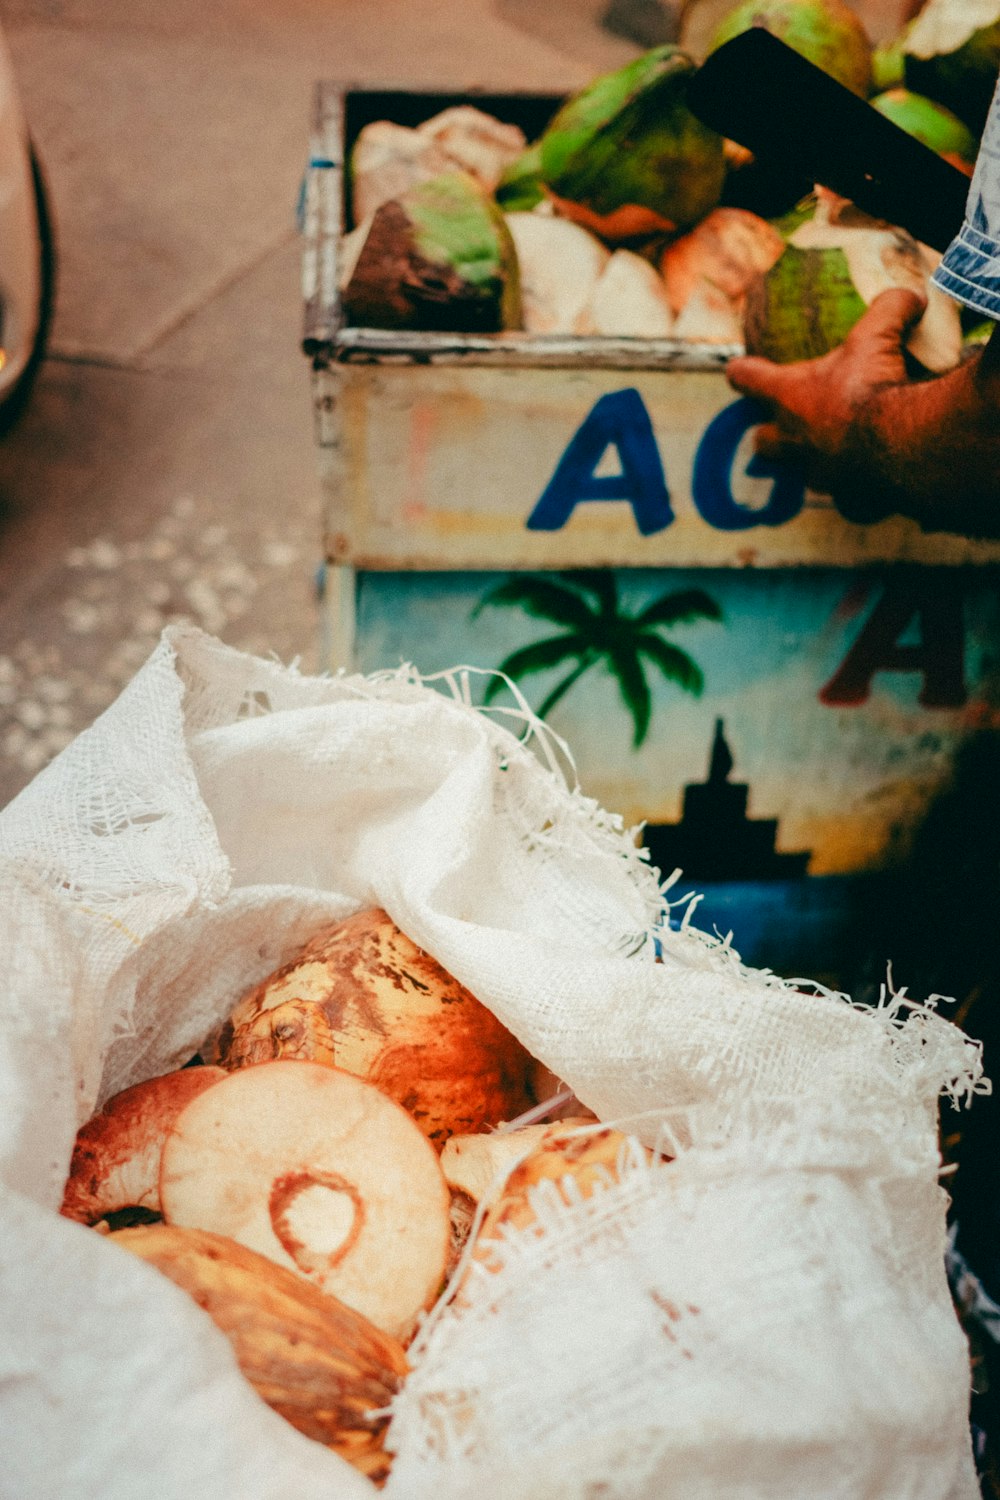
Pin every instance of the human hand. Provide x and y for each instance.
(821, 410)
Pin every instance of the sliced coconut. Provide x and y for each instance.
(708, 317)
(559, 265)
(323, 1174)
(943, 26)
(475, 141)
(116, 1158)
(728, 248)
(389, 159)
(323, 1367)
(629, 301)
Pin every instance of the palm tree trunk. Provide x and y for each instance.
(563, 687)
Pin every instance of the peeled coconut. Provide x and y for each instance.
(625, 157)
(930, 123)
(324, 1175)
(475, 142)
(438, 257)
(729, 249)
(827, 32)
(573, 1164)
(323, 1367)
(629, 301)
(361, 995)
(559, 265)
(116, 1156)
(387, 160)
(950, 53)
(708, 317)
(835, 264)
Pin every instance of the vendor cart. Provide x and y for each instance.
(802, 712)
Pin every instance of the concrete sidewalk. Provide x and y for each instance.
(166, 468)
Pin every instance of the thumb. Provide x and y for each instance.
(889, 318)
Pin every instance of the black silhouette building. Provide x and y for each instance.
(715, 839)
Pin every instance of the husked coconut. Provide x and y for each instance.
(629, 301)
(362, 995)
(323, 1367)
(116, 1157)
(321, 1173)
(475, 141)
(625, 157)
(389, 159)
(729, 248)
(708, 317)
(950, 53)
(559, 265)
(438, 256)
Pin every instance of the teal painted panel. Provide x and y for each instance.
(858, 715)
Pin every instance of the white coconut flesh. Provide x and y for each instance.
(475, 141)
(878, 259)
(559, 264)
(324, 1175)
(472, 1164)
(629, 301)
(387, 161)
(944, 26)
(708, 317)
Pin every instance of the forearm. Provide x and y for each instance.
(932, 449)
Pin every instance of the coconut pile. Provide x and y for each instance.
(314, 1175)
(628, 218)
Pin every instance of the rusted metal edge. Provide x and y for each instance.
(323, 212)
(519, 350)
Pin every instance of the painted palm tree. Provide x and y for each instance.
(597, 631)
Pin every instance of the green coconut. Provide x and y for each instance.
(520, 187)
(929, 122)
(625, 157)
(439, 256)
(827, 32)
(950, 53)
(834, 265)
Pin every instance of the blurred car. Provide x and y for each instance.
(27, 257)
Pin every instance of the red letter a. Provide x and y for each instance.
(939, 654)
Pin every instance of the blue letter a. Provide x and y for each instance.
(617, 420)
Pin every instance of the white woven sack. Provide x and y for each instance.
(765, 1315)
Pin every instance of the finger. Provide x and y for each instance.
(761, 378)
(771, 442)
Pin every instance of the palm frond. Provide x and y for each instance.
(675, 665)
(679, 605)
(537, 657)
(541, 597)
(597, 581)
(626, 667)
